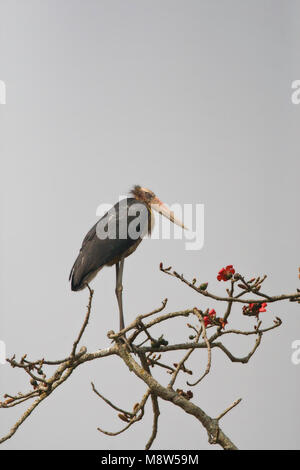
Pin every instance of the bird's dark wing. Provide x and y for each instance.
(109, 239)
(89, 236)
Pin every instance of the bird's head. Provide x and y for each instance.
(153, 202)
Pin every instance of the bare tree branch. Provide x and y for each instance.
(208, 334)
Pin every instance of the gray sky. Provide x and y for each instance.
(193, 100)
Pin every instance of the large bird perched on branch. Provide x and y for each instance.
(115, 236)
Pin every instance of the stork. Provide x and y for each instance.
(115, 236)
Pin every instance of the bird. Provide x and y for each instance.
(115, 236)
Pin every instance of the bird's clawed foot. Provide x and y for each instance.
(121, 338)
(124, 340)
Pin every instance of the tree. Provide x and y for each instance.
(143, 354)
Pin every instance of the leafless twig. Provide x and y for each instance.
(206, 336)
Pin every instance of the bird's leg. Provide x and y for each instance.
(119, 290)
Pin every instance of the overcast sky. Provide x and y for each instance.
(193, 100)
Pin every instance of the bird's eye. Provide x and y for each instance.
(149, 195)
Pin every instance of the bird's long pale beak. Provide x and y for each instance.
(160, 207)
